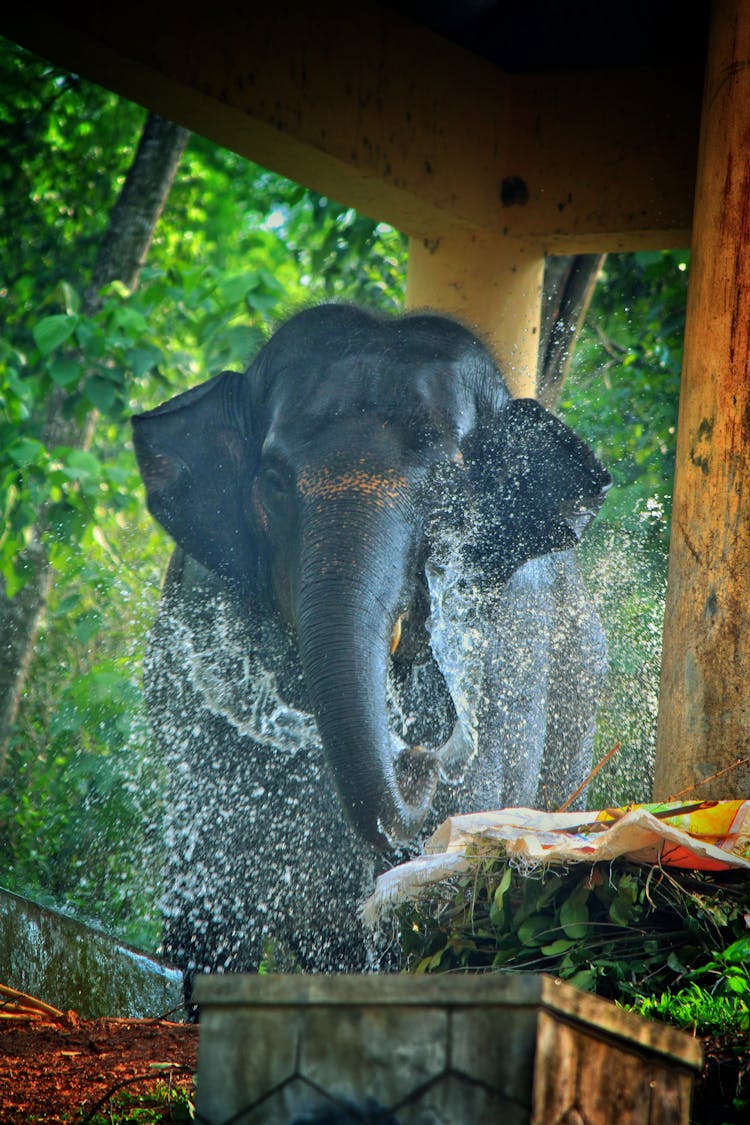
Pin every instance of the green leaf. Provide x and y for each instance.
(65, 370)
(562, 945)
(80, 463)
(574, 914)
(129, 320)
(497, 914)
(676, 965)
(427, 964)
(13, 578)
(142, 360)
(584, 979)
(502, 957)
(737, 984)
(622, 912)
(234, 287)
(738, 951)
(119, 288)
(536, 929)
(26, 451)
(53, 331)
(100, 392)
(69, 297)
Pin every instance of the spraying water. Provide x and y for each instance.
(246, 836)
(260, 860)
(626, 572)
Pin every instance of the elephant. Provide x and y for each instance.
(373, 618)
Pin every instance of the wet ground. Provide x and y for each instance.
(59, 1072)
(64, 1072)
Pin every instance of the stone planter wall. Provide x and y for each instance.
(70, 965)
(447, 1050)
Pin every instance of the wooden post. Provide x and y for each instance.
(704, 717)
(493, 285)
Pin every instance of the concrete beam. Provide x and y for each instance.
(379, 113)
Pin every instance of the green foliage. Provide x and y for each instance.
(698, 1010)
(67, 145)
(622, 396)
(715, 1005)
(623, 389)
(236, 250)
(162, 1102)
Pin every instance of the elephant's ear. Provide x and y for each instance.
(195, 461)
(538, 486)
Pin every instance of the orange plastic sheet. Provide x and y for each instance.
(700, 835)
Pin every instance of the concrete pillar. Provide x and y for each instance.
(493, 285)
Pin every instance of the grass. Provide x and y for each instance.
(163, 1104)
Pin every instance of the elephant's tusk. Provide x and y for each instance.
(396, 634)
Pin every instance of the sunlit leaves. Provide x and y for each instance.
(52, 331)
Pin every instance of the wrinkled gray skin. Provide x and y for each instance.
(362, 472)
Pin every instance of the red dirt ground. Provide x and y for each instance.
(57, 1072)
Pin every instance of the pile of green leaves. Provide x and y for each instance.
(621, 930)
(672, 945)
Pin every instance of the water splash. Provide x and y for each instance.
(259, 857)
(240, 689)
(625, 565)
(524, 664)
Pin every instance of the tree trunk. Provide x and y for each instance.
(704, 698)
(121, 255)
(569, 282)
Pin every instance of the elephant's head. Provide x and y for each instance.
(316, 478)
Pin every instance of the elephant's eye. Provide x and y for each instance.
(272, 482)
(271, 490)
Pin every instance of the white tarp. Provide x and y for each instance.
(705, 835)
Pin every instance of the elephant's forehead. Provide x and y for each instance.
(350, 391)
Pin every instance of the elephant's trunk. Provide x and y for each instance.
(357, 551)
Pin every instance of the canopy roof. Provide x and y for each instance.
(571, 124)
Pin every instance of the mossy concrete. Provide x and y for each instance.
(73, 966)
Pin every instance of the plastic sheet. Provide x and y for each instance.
(698, 835)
